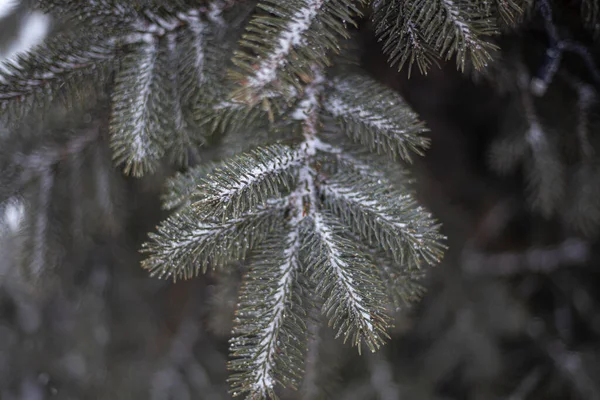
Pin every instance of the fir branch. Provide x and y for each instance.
(148, 119)
(402, 39)
(349, 161)
(352, 292)
(249, 180)
(388, 217)
(186, 245)
(176, 131)
(225, 116)
(237, 209)
(194, 63)
(336, 153)
(204, 49)
(33, 79)
(269, 343)
(139, 103)
(462, 27)
(510, 11)
(447, 27)
(299, 38)
(377, 117)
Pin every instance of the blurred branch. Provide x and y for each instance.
(39, 161)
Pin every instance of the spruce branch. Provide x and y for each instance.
(174, 127)
(155, 122)
(336, 154)
(312, 198)
(226, 116)
(334, 264)
(194, 65)
(511, 12)
(300, 35)
(155, 88)
(352, 291)
(391, 218)
(402, 39)
(35, 78)
(376, 117)
(139, 101)
(429, 29)
(185, 245)
(249, 180)
(269, 340)
(457, 29)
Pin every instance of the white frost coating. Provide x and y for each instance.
(167, 24)
(337, 107)
(291, 36)
(199, 234)
(454, 15)
(354, 162)
(204, 230)
(259, 172)
(159, 25)
(287, 270)
(414, 38)
(355, 198)
(197, 28)
(370, 205)
(306, 112)
(344, 281)
(139, 132)
(311, 98)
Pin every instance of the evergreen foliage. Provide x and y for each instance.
(422, 32)
(291, 209)
(294, 160)
(558, 180)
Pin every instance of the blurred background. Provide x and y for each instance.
(512, 312)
